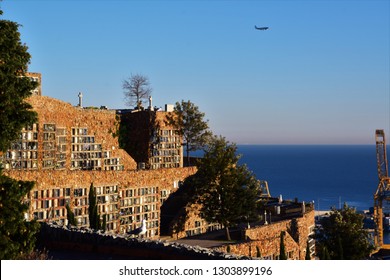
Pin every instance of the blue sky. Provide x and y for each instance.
(319, 75)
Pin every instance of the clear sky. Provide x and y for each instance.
(319, 75)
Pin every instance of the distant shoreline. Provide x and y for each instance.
(314, 145)
(327, 212)
(321, 212)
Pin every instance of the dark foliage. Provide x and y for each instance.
(70, 216)
(14, 86)
(94, 217)
(226, 190)
(282, 253)
(17, 235)
(190, 122)
(342, 236)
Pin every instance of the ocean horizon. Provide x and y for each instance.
(327, 175)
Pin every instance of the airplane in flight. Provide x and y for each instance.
(261, 28)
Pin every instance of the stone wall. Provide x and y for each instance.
(135, 132)
(188, 222)
(102, 124)
(37, 77)
(266, 239)
(72, 148)
(125, 197)
(46, 179)
(67, 137)
(149, 140)
(84, 242)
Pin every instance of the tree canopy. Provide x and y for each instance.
(136, 89)
(17, 234)
(282, 250)
(95, 221)
(307, 255)
(15, 87)
(226, 190)
(342, 236)
(70, 216)
(190, 122)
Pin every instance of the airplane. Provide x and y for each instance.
(261, 28)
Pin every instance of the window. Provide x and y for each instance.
(56, 192)
(46, 204)
(49, 127)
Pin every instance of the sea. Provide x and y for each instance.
(327, 175)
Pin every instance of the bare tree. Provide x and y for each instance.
(136, 88)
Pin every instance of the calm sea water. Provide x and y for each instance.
(327, 175)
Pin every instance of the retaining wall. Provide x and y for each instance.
(107, 246)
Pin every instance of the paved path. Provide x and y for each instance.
(202, 242)
(206, 240)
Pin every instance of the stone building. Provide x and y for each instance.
(134, 161)
(71, 148)
(67, 138)
(36, 77)
(260, 238)
(149, 140)
(263, 240)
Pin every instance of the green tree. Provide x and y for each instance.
(190, 122)
(17, 235)
(340, 250)
(324, 253)
(226, 190)
(70, 216)
(104, 223)
(307, 256)
(14, 86)
(258, 253)
(136, 88)
(343, 235)
(94, 217)
(282, 254)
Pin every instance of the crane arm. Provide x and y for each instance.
(381, 156)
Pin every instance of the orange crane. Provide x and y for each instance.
(382, 193)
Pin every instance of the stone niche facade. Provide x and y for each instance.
(71, 148)
(149, 140)
(36, 77)
(67, 137)
(188, 222)
(264, 241)
(124, 197)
